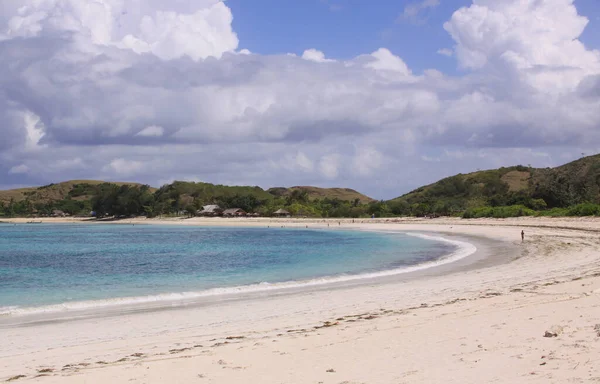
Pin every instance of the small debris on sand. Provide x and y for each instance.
(235, 337)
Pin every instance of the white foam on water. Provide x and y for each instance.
(464, 249)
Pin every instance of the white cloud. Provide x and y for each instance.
(19, 169)
(367, 161)
(316, 56)
(123, 167)
(151, 131)
(169, 30)
(329, 166)
(534, 40)
(413, 11)
(445, 52)
(303, 162)
(34, 129)
(193, 105)
(387, 61)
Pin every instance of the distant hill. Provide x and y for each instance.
(75, 189)
(80, 197)
(345, 194)
(536, 188)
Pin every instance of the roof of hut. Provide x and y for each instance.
(211, 208)
(233, 210)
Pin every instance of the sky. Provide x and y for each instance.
(381, 96)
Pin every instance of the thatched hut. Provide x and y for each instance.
(210, 210)
(234, 212)
(281, 213)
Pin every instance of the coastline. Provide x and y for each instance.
(463, 256)
(553, 279)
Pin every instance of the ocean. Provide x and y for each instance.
(59, 267)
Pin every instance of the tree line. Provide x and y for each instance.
(571, 190)
(184, 198)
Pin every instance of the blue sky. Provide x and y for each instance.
(357, 27)
(591, 9)
(343, 29)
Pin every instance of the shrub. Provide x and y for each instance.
(554, 212)
(498, 212)
(537, 204)
(586, 209)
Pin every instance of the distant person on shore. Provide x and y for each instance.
(522, 235)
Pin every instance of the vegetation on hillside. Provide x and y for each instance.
(571, 189)
(183, 198)
(315, 193)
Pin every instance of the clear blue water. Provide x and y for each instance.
(43, 264)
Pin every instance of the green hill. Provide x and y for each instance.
(565, 186)
(313, 193)
(80, 197)
(75, 189)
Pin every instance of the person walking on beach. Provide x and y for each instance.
(522, 235)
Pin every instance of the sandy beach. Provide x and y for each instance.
(522, 312)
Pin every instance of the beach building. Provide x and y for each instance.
(281, 213)
(234, 212)
(210, 210)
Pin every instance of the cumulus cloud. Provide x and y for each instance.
(316, 56)
(153, 90)
(385, 60)
(197, 29)
(536, 41)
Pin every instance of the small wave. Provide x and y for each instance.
(464, 249)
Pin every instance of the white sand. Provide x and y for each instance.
(476, 326)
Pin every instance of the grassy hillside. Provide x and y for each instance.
(80, 197)
(571, 184)
(76, 189)
(313, 193)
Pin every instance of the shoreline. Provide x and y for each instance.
(460, 327)
(464, 252)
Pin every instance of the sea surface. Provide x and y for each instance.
(53, 267)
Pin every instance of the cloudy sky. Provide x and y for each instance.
(381, 96)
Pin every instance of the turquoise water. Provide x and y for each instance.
(44, 265)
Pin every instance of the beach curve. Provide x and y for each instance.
(159, 301)
(470, 323)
